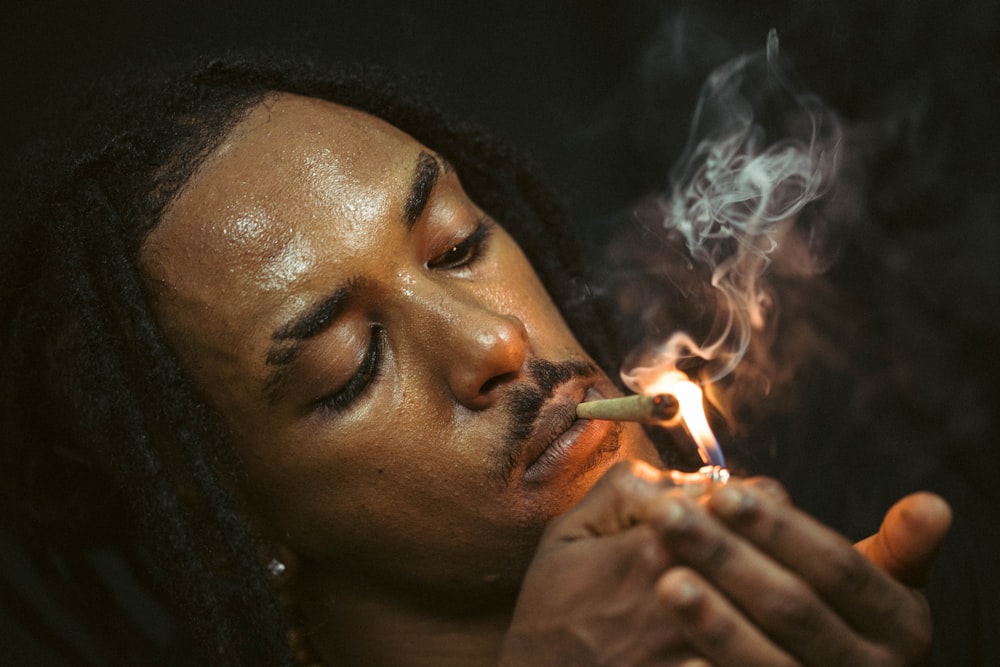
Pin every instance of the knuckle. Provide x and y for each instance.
(848, 571)
(618, 479)
(649, 555)
(555, 526)
(625, 480)
(770, 487)
(623, 493)
(694, 662)
(713, 630)
(766, 522)
(715, 555)
(631, 470)
(792, 611)
(775, 529)
(702, 543)
(693, 540)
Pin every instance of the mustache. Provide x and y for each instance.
(525, 403)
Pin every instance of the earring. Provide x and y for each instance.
(297, 639)
(276, 568)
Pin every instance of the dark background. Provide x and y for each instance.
(601, 94)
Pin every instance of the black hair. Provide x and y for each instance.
(105, 441)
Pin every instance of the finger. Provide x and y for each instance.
(614, 504)
(767, 485)
(909, 538)
(577, 598)
(860, 592)
(777, 600)
(713, 626)
(691, 661)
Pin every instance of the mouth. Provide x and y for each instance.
(561, 443)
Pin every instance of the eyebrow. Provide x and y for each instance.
(426, 174)
(297, 331)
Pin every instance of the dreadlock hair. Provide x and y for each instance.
(105, 441)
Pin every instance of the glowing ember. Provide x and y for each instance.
(689, 396)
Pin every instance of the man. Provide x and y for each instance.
(398, 387)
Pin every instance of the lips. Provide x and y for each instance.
(562, 444)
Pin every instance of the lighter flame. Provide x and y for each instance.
(689, 397)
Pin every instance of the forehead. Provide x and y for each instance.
(291, 165)
(298, 184)
(298, 152)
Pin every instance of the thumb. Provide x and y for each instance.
(616, 503)
(908, 540)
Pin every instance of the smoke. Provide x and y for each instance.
(760, 151)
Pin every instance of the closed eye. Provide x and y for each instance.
(366, 374)
(466, 252)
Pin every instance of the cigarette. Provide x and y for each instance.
(638, 408)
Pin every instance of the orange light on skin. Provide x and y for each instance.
(689, 397)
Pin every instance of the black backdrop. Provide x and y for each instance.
(601, 94)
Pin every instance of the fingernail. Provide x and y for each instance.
(772, 488)
(673, 514)
(685, 594)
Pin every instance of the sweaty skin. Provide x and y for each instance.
(377, 449)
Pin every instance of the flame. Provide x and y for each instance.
(760, 150)
(692, 409)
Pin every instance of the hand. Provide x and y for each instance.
(763, 581)
(589, 596)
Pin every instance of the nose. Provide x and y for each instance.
(487, 352)
(469, 343)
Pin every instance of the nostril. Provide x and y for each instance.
(495, 381)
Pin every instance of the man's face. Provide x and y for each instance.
(400, 387)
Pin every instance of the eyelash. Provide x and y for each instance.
(366, 374)
(465, 252)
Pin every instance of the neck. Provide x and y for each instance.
(364, 625)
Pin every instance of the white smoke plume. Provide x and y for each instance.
(760, 150)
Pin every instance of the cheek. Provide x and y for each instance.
(524, 296)
(408, 500)
(300, 479)
(380, 480)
